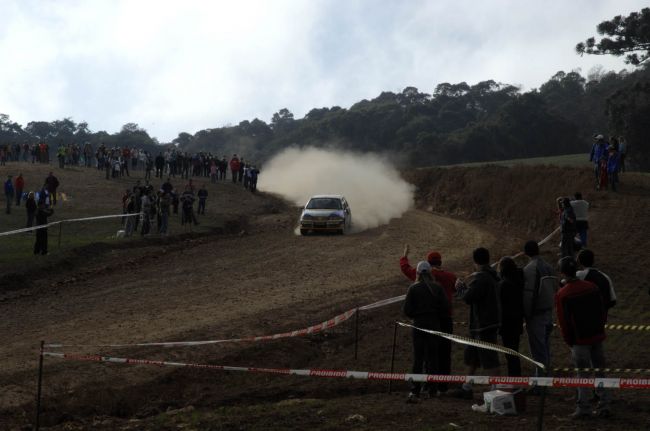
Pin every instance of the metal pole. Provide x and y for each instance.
(542, 400)
(356, 333)
(40, 384)
(392, 358)
(60, 229)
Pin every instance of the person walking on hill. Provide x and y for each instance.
(483, 296)
(187, 199)
(234, 168)
(42, 213)
(425, 303)
(447, 280)
(19, 185)
(600, 279)
(613, 167)
(538, 315)
(580, 316)
(9, 194)
(581, 210)
(597, 156)
(51, 184)
(511, 289)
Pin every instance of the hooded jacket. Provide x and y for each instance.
(484, 299)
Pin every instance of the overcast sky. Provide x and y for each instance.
(174, 66)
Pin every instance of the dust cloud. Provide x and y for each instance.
(372, 186)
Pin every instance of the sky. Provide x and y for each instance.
(174, 66)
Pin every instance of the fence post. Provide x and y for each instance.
(392, 358)
(356, 333)
(542, 401)
(40, 385)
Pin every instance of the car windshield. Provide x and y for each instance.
(324, 204)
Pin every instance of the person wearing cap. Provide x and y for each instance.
(483, 296)
(580, 315)
(447, 280)
(425, 303)
(9, 193)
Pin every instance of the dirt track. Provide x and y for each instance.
(269, 280)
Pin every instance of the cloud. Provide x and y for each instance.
(173, 67)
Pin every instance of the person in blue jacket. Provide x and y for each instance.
(9, 193)
(613, 167)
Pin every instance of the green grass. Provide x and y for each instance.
(579, 160)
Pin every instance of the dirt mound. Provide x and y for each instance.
(518, 196)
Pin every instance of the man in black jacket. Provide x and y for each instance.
(589, 273)
(483, 296)
(426, 304)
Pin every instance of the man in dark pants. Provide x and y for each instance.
(203, 196)
(425, 303)
(448, 281)
(483, 296)
(600, 279)
(9, 193)
(52, 183)
(42, 213)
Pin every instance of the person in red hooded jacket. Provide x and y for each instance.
(447, 280)
(234, 167)
(19, 185)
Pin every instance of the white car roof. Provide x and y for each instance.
(327, 196)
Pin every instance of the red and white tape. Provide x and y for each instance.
(314, 329)
(71, 220)
(555, 382)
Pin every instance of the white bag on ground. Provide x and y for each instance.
(499, 402)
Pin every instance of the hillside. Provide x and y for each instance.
(230, 283)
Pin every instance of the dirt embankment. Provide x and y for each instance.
(519, 197)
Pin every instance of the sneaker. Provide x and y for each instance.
(579, 415)
(413, 398)
(461, 393)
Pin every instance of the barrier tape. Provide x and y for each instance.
(476, 343)
(555, 382)
(605, 370)
(548, 238)
(54, 223)
(314, 329)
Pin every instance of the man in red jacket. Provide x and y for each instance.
(448, 282)
(19, 185)
(581, 318)
(234, 167)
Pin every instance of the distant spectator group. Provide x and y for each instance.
(609, 161)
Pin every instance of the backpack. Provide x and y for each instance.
(544, 294)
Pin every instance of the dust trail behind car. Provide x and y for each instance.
(371, 184)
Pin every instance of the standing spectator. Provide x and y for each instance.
(9, 193)
(598, 154)
(580, 316)
(213, 172)
(187, 198)
(483, 297)
(19, 185)
(167, 186)
(203, 196)
(160, 164)
(581, 210)
(242, 166)
(130, 221)
(30, 205)
(539, 318)
(223, 167)
(613, 166)
(163, 207)
(448, 281)
(600, 279)
(148, 164)
(425, 303)
(42, 213)
(567, 228)
(146, 203)
(51, 184)
(254, 174)
(511, 287)
(622, 151)
(234, 168)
